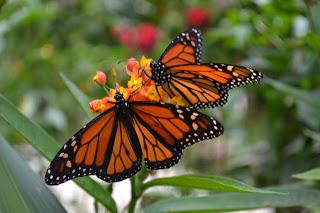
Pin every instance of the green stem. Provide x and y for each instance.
(312, 23)
(106, 90)
(134, 197)
(136, 188)
(96, 206)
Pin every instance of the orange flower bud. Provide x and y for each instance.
(100, 105)
(100, 78)
(97, 105)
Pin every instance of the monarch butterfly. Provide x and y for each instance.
(112, 145)
(179, 71)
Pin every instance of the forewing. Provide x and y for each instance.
(85, 151)
(207, 85)
(184, 49)
(102, 147)
(227, 75)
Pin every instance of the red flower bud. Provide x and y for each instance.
(147, 35)
(123, 33)
(143, 37)
(198, 17)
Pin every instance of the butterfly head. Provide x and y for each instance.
(120, 101)
(159, 73)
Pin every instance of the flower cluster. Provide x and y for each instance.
(140, 87)
(142, 37)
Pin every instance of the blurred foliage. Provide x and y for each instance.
(272, 128)
(313, 174)
(24, 190)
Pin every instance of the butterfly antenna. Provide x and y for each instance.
(144, 72)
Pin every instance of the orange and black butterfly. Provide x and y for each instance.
(112, 145)
(179, 72)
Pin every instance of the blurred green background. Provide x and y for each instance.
(272, 129)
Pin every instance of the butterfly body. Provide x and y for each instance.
(159, 73)
(121, 104)
(113, 144)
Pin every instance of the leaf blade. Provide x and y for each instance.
(313, 174)
(82, 99)
(297, 196)
(23, 189)
(48, 147)
(298, 93)
(212, 183)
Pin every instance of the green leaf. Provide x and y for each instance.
(82, 99)
(31, 131)
(297, 196)
(313, 174)
(2, 2)
(21, 189)
(300, 94)
(314, 13)
(213, 183)
(48, 147)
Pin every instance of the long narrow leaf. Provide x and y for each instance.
(313, 174)
(224, 202)
(47, 146)
(82, 99)
(21, 189)
(303, 95)
(214, 183)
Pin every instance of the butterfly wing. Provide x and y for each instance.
(196, 90)
(164, 130)
(207, 85)
(103, 147)
(124, 157)
(184, 49)
(179, 72)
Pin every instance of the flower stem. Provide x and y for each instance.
(134, 197)
(105, 89)
(311, 20)
(136, 187)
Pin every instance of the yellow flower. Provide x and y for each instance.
(135, 83)
(145, 63)
(164, 95)
(97, 105)
(124, 91)
(112, 93)
(152, 93)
